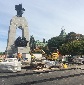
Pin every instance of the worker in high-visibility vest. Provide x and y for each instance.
(32, 56)
(64, 65)
(19, 55)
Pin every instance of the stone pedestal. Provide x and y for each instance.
(23, 50)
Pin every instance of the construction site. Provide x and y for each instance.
(36, 69)
(26, 62)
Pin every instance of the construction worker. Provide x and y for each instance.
(32, 56)
(65, 65)
(19, 55)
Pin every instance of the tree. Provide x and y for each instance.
(72, 48)
(70, 37)
(0, 53)
(55, 42)
(73, 36)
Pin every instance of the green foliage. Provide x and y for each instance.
(2, 53)
(73, 48)
(72, 44)
(73, 36)
(70, 37)
(55, 42)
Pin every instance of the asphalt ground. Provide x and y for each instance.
(46, 77)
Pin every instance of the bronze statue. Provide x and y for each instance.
(19, 10)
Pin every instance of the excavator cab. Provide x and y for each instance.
(53, 56)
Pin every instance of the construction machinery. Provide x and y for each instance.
(51, 56)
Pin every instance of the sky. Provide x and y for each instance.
(45, 18)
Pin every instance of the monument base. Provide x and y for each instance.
(23, 49)
(17, 50)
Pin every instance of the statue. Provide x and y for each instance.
(32, 43)
(21, 42)
(19, 10)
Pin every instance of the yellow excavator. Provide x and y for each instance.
(51, 56)
(54, 56)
